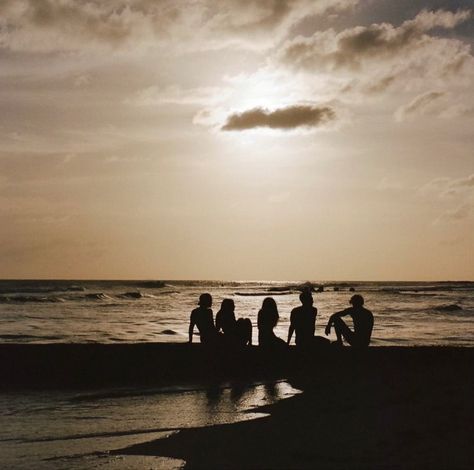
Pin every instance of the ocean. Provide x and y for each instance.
(406, 313)
(75, 429)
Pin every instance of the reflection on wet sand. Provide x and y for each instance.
(88, 425)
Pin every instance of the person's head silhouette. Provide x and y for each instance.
(269, 304)
(306, 298)
(205, 300)
(269, 313)
(227, 305)
(357, 301)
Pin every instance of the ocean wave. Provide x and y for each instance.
(151, 284)
(19, 336)
(75, 289)
(29, 298)
(263, 294)
(30, 337)
(131, 295)
(448, 308)
(97, 296)
(424, 288)
(415, 293)
(35, 289)
(298, 287)
(28, 290)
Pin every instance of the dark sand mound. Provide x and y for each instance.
(389, 408)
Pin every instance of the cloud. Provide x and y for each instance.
(75, 24)
(449, 186)
(290, 117)
(419, 105)
(352, 47)
(457, 110)
(455, 215)
(174, 94)
(54, 25)
(455, 198)
(365, 60)
(465, 182)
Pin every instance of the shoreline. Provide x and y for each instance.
(382, 408)
(416, 411)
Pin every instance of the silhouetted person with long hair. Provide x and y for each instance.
(303, 321)
(235, 332)
(225, 317)
(363, 324)
(202, 317)
(267, 320)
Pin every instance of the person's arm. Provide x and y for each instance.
(291, 329)
(191, 328)
(340, 314)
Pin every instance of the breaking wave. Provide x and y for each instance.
(97, 296)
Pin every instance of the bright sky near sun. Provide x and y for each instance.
(237, 139)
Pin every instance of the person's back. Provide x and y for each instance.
(363, 320)
(237, 333)
(202, 317)
(267, 320)
(225, 318)
(303, 321)
(303, 318)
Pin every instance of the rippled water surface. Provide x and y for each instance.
(158, 311)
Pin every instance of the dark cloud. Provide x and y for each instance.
(383, 41)
(286, 118)
(73, 24)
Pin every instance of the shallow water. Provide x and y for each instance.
(59, 430)
(141, 311)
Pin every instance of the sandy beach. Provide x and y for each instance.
(388, 408)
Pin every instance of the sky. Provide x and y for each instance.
(239, 139)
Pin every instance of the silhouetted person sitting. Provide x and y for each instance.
(267, 320)
(303, 321)
(363, 323)
(235, 332)
(202, 318)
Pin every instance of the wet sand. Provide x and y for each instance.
(388, 408)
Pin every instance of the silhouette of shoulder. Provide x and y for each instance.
(302, 311)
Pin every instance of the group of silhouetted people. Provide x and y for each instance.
(232, 332)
